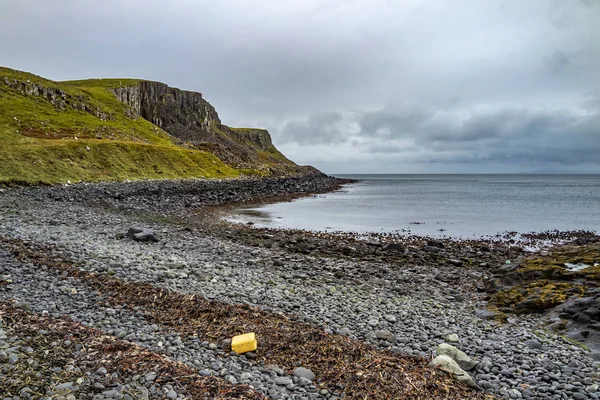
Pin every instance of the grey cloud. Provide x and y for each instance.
(489, 136)
(329, 128)
(421, 84)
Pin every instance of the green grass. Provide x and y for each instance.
(35, 116)
(106, 83)
(40, 143)
(269, 156)
(62, 161)
(43, 140)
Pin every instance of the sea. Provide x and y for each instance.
(441, 205)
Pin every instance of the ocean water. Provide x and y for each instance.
(442, 205)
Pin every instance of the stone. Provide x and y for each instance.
(486, 314)
(339, 274)
(172, 394)
(302, 372)
(592, 312)
(533, 344)
(64, 386)
(447, 364)
(22, 306)
(150, 376)
(452, 338)
(463, 360)
(436, 243)
(256, 384)
(13, 358)
(140, 234)
(455, 262)
(431, 249)
(390, 318)
(580, 396)
(345, 331)
(283, 381)
(385, 335)
(394, 247)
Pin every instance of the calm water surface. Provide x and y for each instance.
(443, 205)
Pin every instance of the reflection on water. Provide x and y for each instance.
(254, 213)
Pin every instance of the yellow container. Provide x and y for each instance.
(244, 343)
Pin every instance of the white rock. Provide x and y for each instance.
(463, 360)
(447, 364)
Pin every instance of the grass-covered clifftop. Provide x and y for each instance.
(101, 129)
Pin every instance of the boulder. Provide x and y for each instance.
(385, 335)
(453, 338)
(486, 314)
(436, 243)
(533, 344)
(395, 247)
(445, 363)
(306, 373)
(463, 360)
(140, 234)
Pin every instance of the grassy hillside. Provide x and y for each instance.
(53, 132)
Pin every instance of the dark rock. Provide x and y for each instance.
(140, 234)
(394, 247)
(578, 305)
(582, 318)
(302, 372)
(431, 249)
(486, 314)
(435, 243)
(533, 344)
(592, 312)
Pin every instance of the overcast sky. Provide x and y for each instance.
(390, 86)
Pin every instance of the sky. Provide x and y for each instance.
(351, 86)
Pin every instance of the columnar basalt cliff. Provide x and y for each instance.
(194, 121)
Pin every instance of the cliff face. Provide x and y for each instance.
(194, 121)
(56, 96)
(115, 129)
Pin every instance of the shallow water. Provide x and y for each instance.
(576, 267)
(443, 205)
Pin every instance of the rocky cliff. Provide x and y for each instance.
(194, 122)
(118, 129)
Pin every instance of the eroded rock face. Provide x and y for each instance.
(190, 118)
(57, 97)
(183, 114)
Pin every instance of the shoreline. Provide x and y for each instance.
(404, 298)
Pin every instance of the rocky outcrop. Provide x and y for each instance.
(58, 97)
(191, 119)
(185, 115)
(561, 284)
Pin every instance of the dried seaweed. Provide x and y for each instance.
(341, 364)
(100, 350)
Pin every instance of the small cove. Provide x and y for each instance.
(459, 206)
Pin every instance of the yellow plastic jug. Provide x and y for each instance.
(244, 343)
